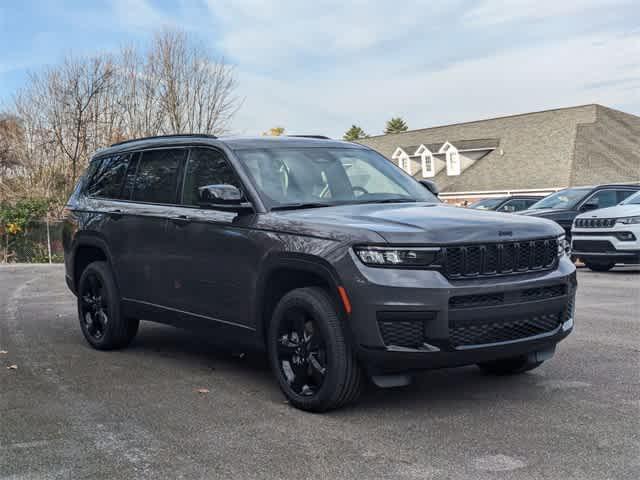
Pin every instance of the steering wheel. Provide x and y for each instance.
(357, 191)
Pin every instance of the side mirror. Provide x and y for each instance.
(589, 206)
(431, 186)
(222, 197)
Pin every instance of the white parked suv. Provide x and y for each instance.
(602, 238)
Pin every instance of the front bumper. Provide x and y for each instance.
(604, 245)
(461, 322)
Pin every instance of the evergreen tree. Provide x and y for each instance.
(396, 125)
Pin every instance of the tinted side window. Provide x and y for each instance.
(512, 206)
(157, 176)
(107, 180)
(206, 167)
(129, 180)
(603, 198)
(622, 194)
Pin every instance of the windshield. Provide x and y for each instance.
(305, 177)
(564, 199)
(486, 204)
(632, 200)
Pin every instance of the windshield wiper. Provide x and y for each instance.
(297, 206)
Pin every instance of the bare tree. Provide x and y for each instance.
(196, 92)
(68, 111)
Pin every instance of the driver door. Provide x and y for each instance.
(212, 259)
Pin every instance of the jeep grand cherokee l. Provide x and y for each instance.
(321, 252)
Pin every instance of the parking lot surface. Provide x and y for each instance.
(67, 411)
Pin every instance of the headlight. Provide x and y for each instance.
(564, 248)
(628, 220)
(397, 256)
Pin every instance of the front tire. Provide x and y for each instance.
(599, 267)
(99, 312)
(312, 360)
(510, 366)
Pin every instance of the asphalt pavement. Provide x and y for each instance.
(67, 411)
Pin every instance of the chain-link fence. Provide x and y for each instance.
(36, 242)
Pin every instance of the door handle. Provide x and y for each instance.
(181, 219)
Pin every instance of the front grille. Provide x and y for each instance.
(407, 333)
(503, 331)
(470, 261)
(517, 296)
(595, 246)
(595, 222)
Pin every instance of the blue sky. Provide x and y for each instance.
(318, 67)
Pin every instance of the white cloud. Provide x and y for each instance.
(262, 32)
(492, 12)
(593, 68)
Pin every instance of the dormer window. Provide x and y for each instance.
(453, 162)
(403, 160)
(405, 163)
(426, 157)
(453, 158)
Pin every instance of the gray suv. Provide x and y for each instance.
(323, 253)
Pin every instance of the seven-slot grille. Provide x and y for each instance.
(499, 258)
(595, 222)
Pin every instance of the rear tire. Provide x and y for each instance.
(599, 267)
(509, 366)
(99, 312)
(309, 354)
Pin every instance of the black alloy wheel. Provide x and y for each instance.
(310, 354)
(99, 310)
(94, 309)
(302, 354)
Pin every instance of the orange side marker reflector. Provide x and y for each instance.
(345, 300)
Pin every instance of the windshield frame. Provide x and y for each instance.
(567, 206)
(415, 191)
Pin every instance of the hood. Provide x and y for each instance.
(542, 212)
(416, 223)
(613, 212)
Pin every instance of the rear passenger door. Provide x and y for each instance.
(108, 190)
(213, 257)
(154, 192)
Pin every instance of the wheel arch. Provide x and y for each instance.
(285, 273)
(88, 248)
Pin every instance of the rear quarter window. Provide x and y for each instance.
(107, 176)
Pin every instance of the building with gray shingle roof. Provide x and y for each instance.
(538, 152)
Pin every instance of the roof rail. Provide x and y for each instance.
(318, 137)
(164, 136)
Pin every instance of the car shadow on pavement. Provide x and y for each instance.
(446, 389)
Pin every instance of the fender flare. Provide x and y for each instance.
(301, 262)
(89, 239)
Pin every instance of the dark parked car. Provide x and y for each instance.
(509, 204)
(565, 205)
(321, 252)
